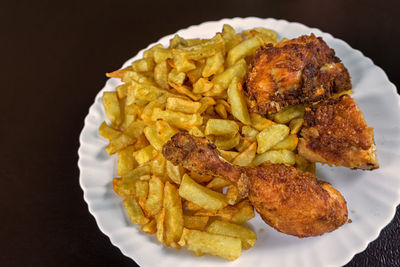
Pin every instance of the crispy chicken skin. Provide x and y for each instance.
(291, 201)
(301, 70)
(335, 133)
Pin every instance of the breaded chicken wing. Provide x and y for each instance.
(301, 70)
(335, 133)
(291, 201)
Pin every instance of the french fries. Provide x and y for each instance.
(246, 235)
(173, 221)
(112, 108)
(221, 127)
(238, 102)
(194, 85)
(200, 195)
(219, 245)
(271, 136)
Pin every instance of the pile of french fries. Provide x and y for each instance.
(194, 85)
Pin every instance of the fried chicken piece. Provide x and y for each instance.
(301, 70)
(335, 133)
(291, 201)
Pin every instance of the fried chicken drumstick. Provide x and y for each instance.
(335, 132)
(301, 70)
(291, 201)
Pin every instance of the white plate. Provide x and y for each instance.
(371, 196)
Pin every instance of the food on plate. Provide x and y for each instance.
(298, 71)
(205, 129)
(335, 133)
(291, 201)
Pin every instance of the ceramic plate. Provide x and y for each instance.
(372, 196)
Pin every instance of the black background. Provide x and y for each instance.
(53, 58)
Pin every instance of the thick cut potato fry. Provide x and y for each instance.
(243, 144)
(149, 53)
(175, 173)
(178, 119)
(161, 74)
(228, 155)
(249, 132)
(176, 77)
(127, 120)
(246, 235)
(227, 143)
(182, 105)
(140, 143)
(160, 218)
(222, 80)
(276, 156)
(289, 143)
(221, 127)
(135, 212)
(182, 64)
(221, 111)
(205, 103)
(270, 136)
(112, 108)
(195, 75)
(246, 157)
(214, 65)
(124, 188)
(218, 245)
(121, 91)
(162, 54)
(288, 113)
(158, 166)
(141, 190)
(108, 132)
(238, 102)
(200, 195)
(145, 154)
(173, 222)
(195, 222)
(147, 113)
(267, 35)
(135, 129)
(196, 132)
(150, 227)
(245, 48)
(119, 143)
(126, 161)
(154, 201)
(143, 65)
(259, 122)
(132, 109)
(295, 125)
(202, 50)
(239, 213)
(185, 90)
(135, 174)
(191, 206)
(131, 76)
(218, 183)
(232, 195)
(147, 92)
(230, 36)
(201, 86)
(159, 133)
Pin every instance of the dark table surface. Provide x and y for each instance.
(53, 59)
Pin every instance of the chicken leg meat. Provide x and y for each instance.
(291, 201)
